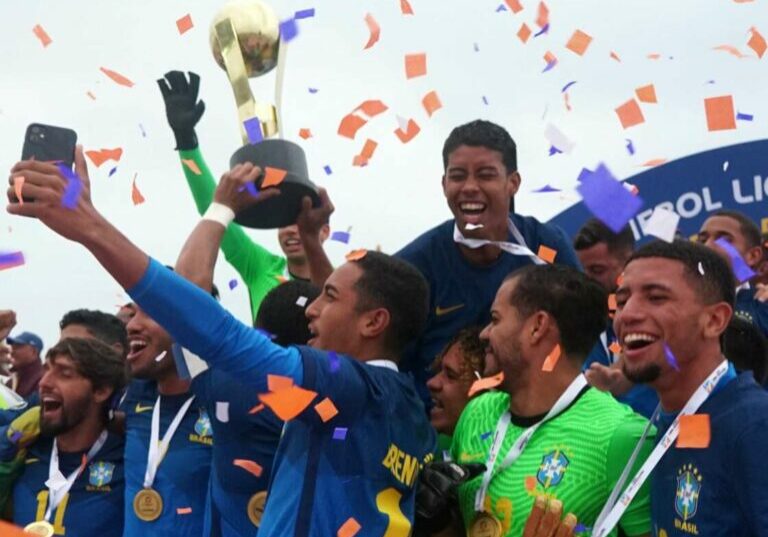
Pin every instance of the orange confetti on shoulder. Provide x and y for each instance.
(547, 254)
(349, 528)
(326, 409)
(288, 403)
(117, 77)
(579, 42)
(486, 383)
(42, 35)
(136, 196)
(356, 255)
(431, 103)
(415, 65)
(374, 29)
(694, 432)
(630, 114)
(551, 360)
(276, 383)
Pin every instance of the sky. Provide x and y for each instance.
(475, 62)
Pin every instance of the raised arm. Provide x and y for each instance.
(310, 222)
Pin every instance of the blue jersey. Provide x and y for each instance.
(751, 309)
(94, 504)
(182, 477)
(723, 489)
(237, 495)
(461, 294)
(361, 464)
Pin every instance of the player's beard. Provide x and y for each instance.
(69, 417)
(643, 374)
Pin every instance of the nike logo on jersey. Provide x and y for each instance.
(445, 311)
(139, 409)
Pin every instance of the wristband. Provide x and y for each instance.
(218, 212)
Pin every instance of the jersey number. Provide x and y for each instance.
(58, 520)
(388, 503)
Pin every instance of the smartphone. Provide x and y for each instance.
(47, 143)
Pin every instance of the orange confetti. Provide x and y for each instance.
(258, 408)
(289, 403)
(431, 103)
(542, 19)
(550, 58)
(183, 510)
(365, 154)
(620, 279)
(252, 467)
(730, 49)
(514, 5)
(412, 130)
(136, 196)
(567, 101)
(18, 184)
(305, 134)
(547, 254)
(42, 35)
(530, 482)
(524, 33)
(405, 7)
(101, 156)
(9, 530)
(184, 24)
(615, 56)
(720, 115)
(273, 177)
(630, 114)
(551, 360)
(91, 95)
(359, 160)
(415, 65)
(117, 77)
(192, 165)
(372, 108)
(579, 42)
(646, 94)
(615, 348)
(350, 124)
(356, 255)
(654, 56)
(653, 162)
(486, 383)
(349, 528)
(612, 302)
(326, 409)
(757, 42)
(375, 30)
(276, 383)
(694, 431)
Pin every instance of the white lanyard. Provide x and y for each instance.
(509, 247)
(565, 400)
(387, 364)
(58, 485)
(613, 510)
(157, 448)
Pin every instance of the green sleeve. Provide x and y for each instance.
(637, 517)
(9, 473)
(260, 269)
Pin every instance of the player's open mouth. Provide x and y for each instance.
(50, 404)
(136, 347)
(472, 211)
(638, 340)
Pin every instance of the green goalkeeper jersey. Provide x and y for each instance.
(576, 457)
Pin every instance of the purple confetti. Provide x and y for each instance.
(327, 170)
(607, 198)
(73, 188)
(340, 236)
(740, 269)
(485, 101)
(15, 437)
(143, 132)
(304, 14)
(112, 171)
(671, 360)
(546, 188)
(313, 90)
(553, 150)
(288, 30)
(543, 30)
(253, 130)
(333, 358)
(251, 188)
(744, 117)
(485, 436)
(630, 147)
(340, 433)
(583, 174)
(501, 8)
(549, 66)
(568, 85)
(581, 528)
(232, 284)
(11, 259)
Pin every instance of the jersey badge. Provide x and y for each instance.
(552, 468)
(100, 473)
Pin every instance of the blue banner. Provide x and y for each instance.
(733, 177)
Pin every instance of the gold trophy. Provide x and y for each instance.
(245, 40)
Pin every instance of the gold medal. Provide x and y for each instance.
(40, 528)
(256, 507)
(485, 525)
(148, 505)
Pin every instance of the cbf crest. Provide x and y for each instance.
(203, 424)
(100, 473)
(688, 492)
(552, 468)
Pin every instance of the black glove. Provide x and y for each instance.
(436, 498)
(181, 106)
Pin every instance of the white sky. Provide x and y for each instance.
(398, 195)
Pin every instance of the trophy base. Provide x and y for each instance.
(282, 210)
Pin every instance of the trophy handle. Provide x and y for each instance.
(247, 107)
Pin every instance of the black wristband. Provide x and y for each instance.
(185, 139)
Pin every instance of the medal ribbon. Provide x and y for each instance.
(509, 247)
(157, 448)
(565, 400)
(58, 485)
(613, 510)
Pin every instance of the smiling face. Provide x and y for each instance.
(724, 227)
(290, 242)
(449, 390)
(478, 188)
(602, 265)
(146, 341)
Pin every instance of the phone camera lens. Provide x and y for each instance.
(34, 138)
(36, 129)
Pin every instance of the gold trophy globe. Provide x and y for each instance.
(245, 41)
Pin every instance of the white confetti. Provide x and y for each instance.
(663, 224)
(725, 165)
(556, 138)
(701, 268)
(161, 356)
(301, 301)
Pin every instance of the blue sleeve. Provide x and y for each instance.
(566, 255)
(197, 322)
(749, 461)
